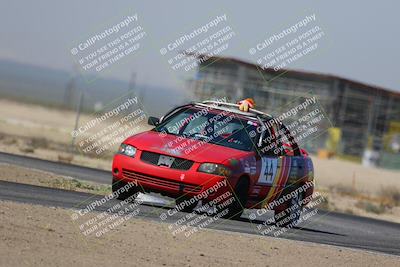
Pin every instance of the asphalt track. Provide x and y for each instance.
(324, 227)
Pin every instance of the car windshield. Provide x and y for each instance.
(214, 126)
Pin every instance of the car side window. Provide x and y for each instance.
(278, 139)
(268, 143)
(289, 144)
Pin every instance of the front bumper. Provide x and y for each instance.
(167, 181)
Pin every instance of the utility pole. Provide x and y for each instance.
(78, 114)
(69, 93)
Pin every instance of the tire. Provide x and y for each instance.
(291, 215)
(185, 208)
(236, 208)
(117, 185)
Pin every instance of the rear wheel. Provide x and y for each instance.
(122, 193)
(291, 215)
(236, 208)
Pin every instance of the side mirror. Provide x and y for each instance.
(153, 121)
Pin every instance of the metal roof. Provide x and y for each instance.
(314, 75)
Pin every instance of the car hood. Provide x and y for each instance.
(181, 147)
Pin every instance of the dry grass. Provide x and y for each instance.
(38, 142)
(390, 196)
(370, 207)
(325, 204)
(344, 190)
(75, 185)
(346, 199)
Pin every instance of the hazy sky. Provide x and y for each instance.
(363, 38)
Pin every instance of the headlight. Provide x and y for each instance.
(127, 150)
(213, 168)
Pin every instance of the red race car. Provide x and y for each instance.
(210, 150)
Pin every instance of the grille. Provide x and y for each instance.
(178, 163)
(178, 186)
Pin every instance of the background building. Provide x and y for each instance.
(366, 118)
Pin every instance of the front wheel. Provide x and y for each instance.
(291, 215)
(122, 191)
(236, 208)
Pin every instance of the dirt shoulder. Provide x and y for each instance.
(18, 174)
(33, 235)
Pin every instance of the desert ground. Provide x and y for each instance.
(30, 233)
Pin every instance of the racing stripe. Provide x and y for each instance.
(280, 180)
(285, 177)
